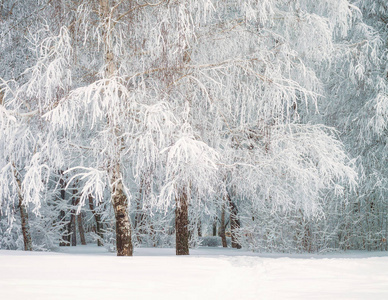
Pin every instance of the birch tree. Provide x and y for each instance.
(199, 99)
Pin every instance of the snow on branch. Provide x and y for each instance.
(192, 165)
(6, 121)
(379, 122)
(8, 187)
(104, 98)
(156, 130)
(300, 165)
(50, 76)
(93, 183)
(34, 181)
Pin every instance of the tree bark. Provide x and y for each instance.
(73, 229)
(222, 227)
(119, 199)
(215, 228)
(139, 213)
(199, 228)
(234, 223)
(120, 206)
(64, 241)
(68, 236)
(139, 217)
(99, 225)
(25, 226)
(182, 225)
(110, 66)
(81, 229)
(65, 237)
(24, 216)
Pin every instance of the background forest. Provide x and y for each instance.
(166, 122)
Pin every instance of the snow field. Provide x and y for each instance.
(91, 273)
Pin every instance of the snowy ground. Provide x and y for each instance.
(89, 272)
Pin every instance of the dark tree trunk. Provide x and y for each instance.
(234, 223)
(222, 227)
(24, 217)
(139, 214)
(182, 225)
(215, 228)
(199, 227)
(25, 226)
(139, 217)
(123, 225)
(65, 236)
(73, 229)
(99, 226)
(68, 236)
(81, 229)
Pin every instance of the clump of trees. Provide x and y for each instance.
(156, 123)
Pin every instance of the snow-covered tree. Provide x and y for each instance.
(195, 107)
(358, 88)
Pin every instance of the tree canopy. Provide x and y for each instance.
(141, 112)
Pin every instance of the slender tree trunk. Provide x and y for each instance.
(120, 206)
(68, 236)
(99, 225)
(123, 226)
(234, 223)
(182, 225)
(215, 228)
(139, 222)
(119, 199)
(24, 217)
(72, 218)
(110, 67)
(139, 214)
(25, 226)
(73, 230)
(81, 229)
(65, 237)
(222, 227)
(64, 241)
